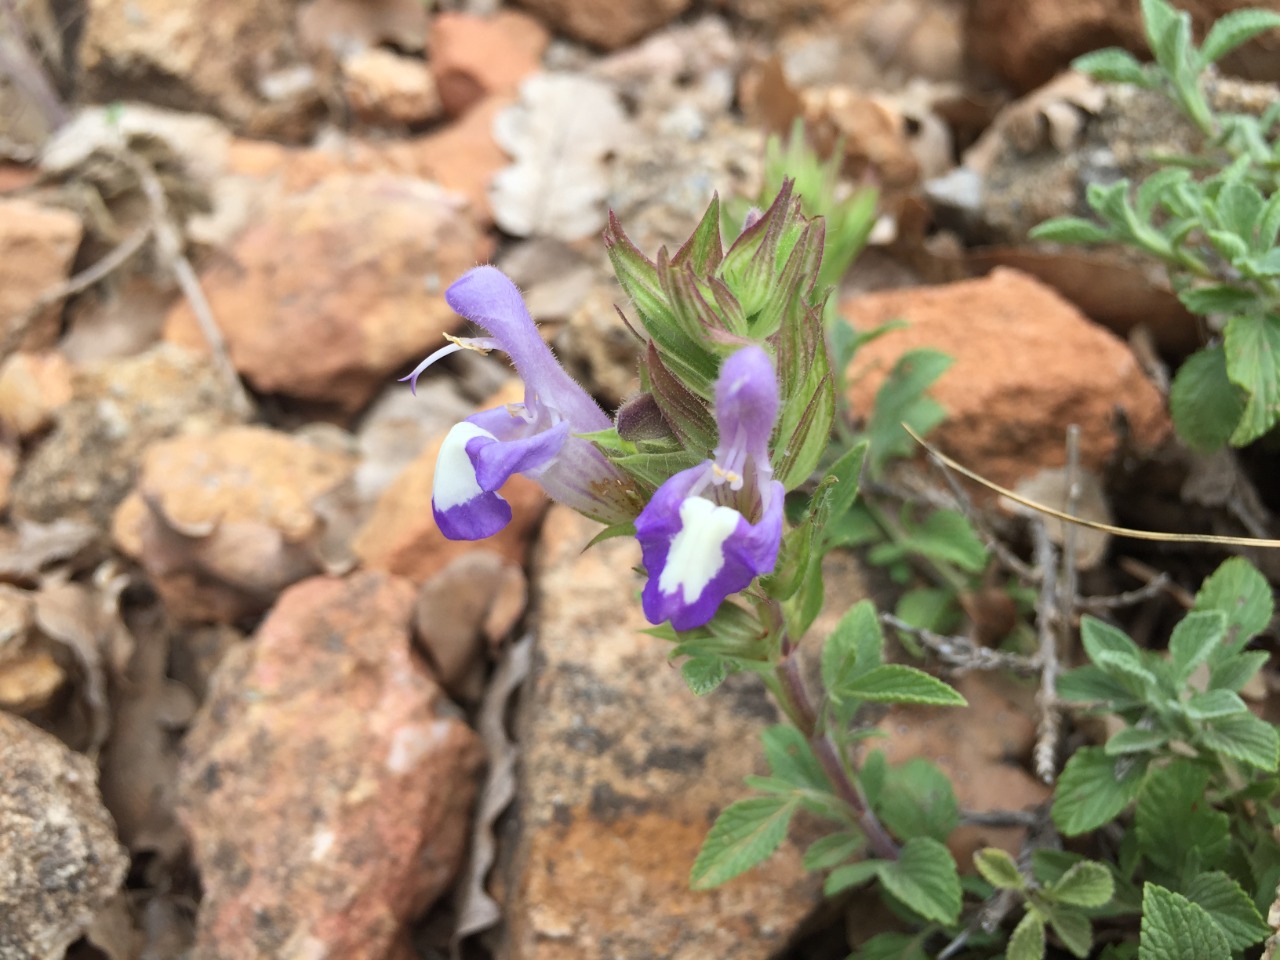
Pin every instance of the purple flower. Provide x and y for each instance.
(536, 438)
(710, 530)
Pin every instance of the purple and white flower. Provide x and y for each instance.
(710, 530)
(537, 438)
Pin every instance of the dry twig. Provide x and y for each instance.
(1048, 614)
(961, 653)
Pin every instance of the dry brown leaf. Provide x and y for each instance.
(1049, 487)
(477, 911)
(1054, 115)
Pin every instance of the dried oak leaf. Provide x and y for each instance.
(561, 135)
(1054, 115)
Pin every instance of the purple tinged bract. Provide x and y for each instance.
(710, 530)
(535, 438)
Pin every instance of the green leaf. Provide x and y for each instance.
(1231, 908)
(1213, 704)
(999, 869)
(1070, 230)
(1174, 928)
(892, 946)
(948, 536)
(704, 674)
(1101, 638)
(901, 399)
(1086, 884)
(1094, 789)
(847, 473)
(1218, 298)
(791, 759)
(1027, 940)
(1234, 29)
(1253, 363)
(929, 608)
(917, 800)
(1073, 929)
(1234, 672)
(835, 848)
(1205, 404)
(746, 833)
(924, 878)
(1193, 639)
(1229, 244)
(1238, 208)
(894, 683)
(1135, 740)
(1238, 590)
(1086, 684)
(851, 875)
(1112, 65)
(854, 647)
(1173, 819)
(1243, 737)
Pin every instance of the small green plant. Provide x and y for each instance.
(1216, 233)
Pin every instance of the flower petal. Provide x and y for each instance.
(463, 509)
(746, 405)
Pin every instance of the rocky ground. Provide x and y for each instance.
(252, 703)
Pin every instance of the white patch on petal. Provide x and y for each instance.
(455, 482)
(696, 553)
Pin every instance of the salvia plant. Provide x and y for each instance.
(1213, 218)
(721, 467)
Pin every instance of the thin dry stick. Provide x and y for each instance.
(1091, 524)
(961, 653)
(1070, 575)
(1151, 589)
(1048, 612)
(20, 63)
(169, 246)
(86, 278)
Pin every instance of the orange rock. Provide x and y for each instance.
(983, 749)
(326, 784)
(37, 247)
(223, 523)
(474, 57)
(606, 23)
(623, 772)
(32, 387)
(334, 289)
(401, 536)
(1027, 365)
(387, 89)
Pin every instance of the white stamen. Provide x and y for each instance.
(696, 554)
(455, 482)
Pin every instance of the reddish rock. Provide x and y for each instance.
(326, 785)
(475, 57)
(984, 749)
(1027, 365)
(386, 89)
(334, 289)
(1028, 41)
(236, 58)
(223, 523)
(60, 862)
(401, 536)
(37, 247)
(623, 771)
(606, 23)
(463, 157)
(32, 387)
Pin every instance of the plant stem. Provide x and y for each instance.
(793, 697)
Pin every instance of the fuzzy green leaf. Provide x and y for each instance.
(1089, 683)
(895, 683)
(1233, 672)
(1135, 740)
(1073, 929)
(1027, 940)
(948, 536)
(1101, 638)
(1234, 29)
(1218, 298)
(1193, 639)
(746, 833)
(1238, 207)
(1094, 789)
(833, 849)
(790, 758)
(924, 878)
(1086, 884)
(1213, 704)
(1070, 230)
(901, 399)
(1231, 908)
(847, 473)
(1243, 737)
(1253, 363)
(704, 674)
(852, 875)
(999, 869)
(1174, 928)
(917, 800)
(854, 647)
(1239, 591)
(1205, 404)
(1172, 819)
